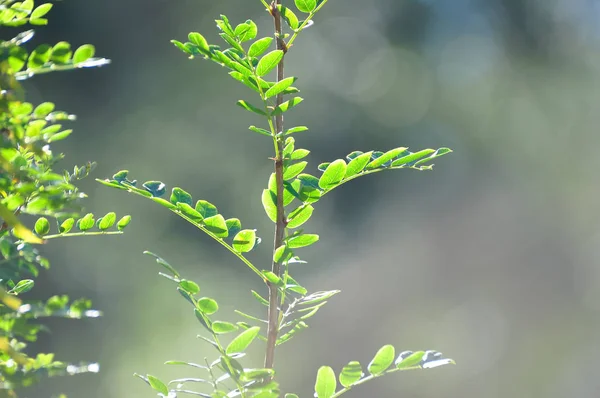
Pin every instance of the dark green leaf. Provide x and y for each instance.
(244, 241)
(326, 383)
(286, 106)
(268, 62)
(383, 359)
(242, 341)
(332, 176)
(42, 226)
(234, 226)
(178, 195)
(156, 188)
(259, 47)
(350, 374)
(302, 240)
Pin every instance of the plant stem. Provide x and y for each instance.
(273, 314)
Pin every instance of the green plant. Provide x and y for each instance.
(289, 201)
(30, 186)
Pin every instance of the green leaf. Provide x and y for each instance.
(268, 62)
(297, 129)
(66, 225)
(123, 222)
(40, 11)
(260, 298)
(216, 225)
(412, 360)
(60, 136)
(436, 154)
(61, 52)
(39, 56)
(291, 396)
(385, 158)
(286, 106)
(199, 40)
(246, 31)
(178, 195)
(259, 47)
(251, 108)
(242, 341)
(279, 87)
(221, 327)
(203, 319)
(272, 278)
(350, 374)
(43, 109)
(83, 53)
(326, 383)
(334, 173)
(189, 212)
(157, 385)
(234, 225)
(182, 47)
(224, 25)
(156, 188)
(86, 223)
(23, 286)
(260, 131)
(42, 226)
(299, 154)
(299, 216)
(412, 157)
(206, 209)
(357, 164)
(383, 359)
(244, 241)
(207, 305)
(293, 170)
(189, 286)
(107, 221)
(268, 201)
(302, 240)
(288, 15)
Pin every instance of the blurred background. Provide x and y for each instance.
(491, 258)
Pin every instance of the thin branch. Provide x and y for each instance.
(273, 314)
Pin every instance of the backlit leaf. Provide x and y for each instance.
(326, 383)
(334, 173)
(243, 340)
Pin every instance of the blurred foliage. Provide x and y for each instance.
(30, 186)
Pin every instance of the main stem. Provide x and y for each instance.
(273, 315)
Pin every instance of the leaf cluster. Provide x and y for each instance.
(34, 195)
